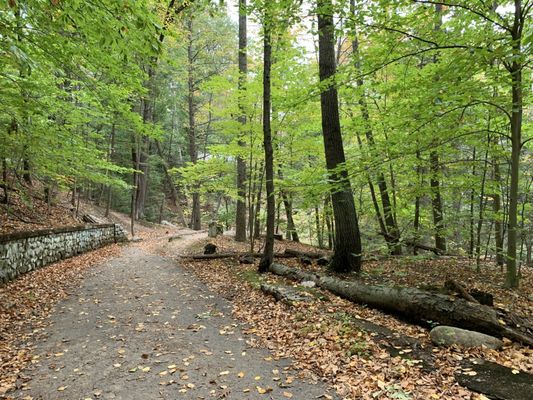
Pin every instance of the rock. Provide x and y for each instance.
(136, 239)
(449, 335)
(305, 260)
(210, 248)
(278, 236)
(246, 259)
(323, 261)
(308, 284)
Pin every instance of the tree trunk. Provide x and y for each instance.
(436, 199)
(472, 197)
(511, 279)
(268, 254)
(196, 217)
(252, 183)
(329, 222)
(292, 234)
(418, 305)
(257, 212)
(481, 209)
(240, 214)
(4, 181)
(496, 207)
(319, 235)
(347, 256)
(26, 175)
(416, 220)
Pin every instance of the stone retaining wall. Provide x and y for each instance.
(21, 252)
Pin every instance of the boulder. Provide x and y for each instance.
(449, 335)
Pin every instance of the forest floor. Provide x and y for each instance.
(145, 321)
(330, 337)
(126, 323)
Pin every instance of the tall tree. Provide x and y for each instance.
(347, 256)
(240, 215)
(268, 253)
(196, 216)
(434, 165)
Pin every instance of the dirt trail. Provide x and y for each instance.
(141, 327)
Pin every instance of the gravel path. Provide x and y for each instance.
(141, 327)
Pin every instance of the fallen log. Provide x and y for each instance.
(496, 381)
(417, 305)
(234, 255)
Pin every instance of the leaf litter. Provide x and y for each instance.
(325, 344)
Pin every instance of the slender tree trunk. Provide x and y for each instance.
(416, 221)
(329, 222)
(347, 256)
(268, 254)
(252, 183)
(196, 217)
(319, 237)
(436, 199)
(240, 215)
(292, 234)
(27, 172)
(481, 209)
(258, 200)
(512, 279)
(472, 197)
(496, 209)
(4, 180)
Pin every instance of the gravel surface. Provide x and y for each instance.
(141, 327)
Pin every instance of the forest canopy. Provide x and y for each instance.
(383, 126)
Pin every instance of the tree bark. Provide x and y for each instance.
(511, 278)
(240, 214)
(496, 208)
(418, 305)
(268, 254)
(347, 256)
(258, 200)
(436, 199)
(292, 234)
(196, 217)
